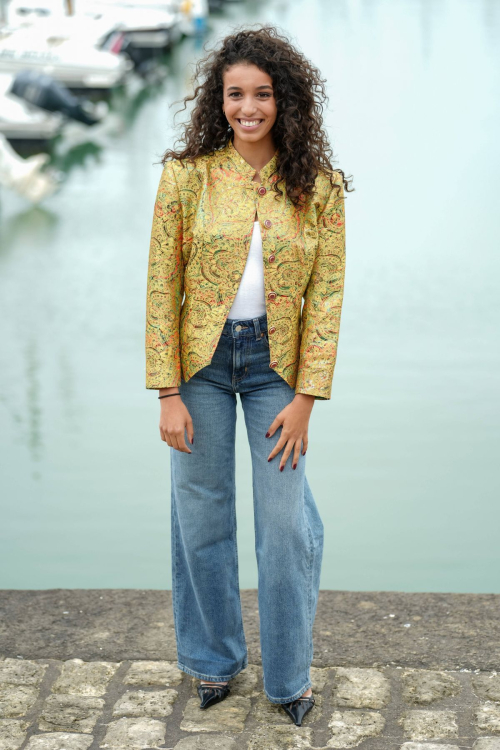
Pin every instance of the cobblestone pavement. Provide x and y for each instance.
(50, 704)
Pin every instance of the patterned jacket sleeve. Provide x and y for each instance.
(323, 301)
(165, 286)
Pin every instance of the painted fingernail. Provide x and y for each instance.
(304, 453)
(294, 466)
(281, 468)
(267, 434)
(268, 459)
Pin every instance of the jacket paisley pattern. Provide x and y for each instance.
(202, 225)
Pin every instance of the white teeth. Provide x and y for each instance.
(248, 123)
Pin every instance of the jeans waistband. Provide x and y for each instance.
(245, 327)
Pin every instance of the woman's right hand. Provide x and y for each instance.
(174, 420)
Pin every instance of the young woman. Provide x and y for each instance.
(248, 222)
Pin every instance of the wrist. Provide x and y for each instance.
(164, 394)
(170, 389)
(304, 398)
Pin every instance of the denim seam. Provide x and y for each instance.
(174, 527)
(293, 697)
(310, 594)
(211, 677)
(310, 587)
(235, 548)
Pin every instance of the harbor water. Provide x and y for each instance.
(403, 460)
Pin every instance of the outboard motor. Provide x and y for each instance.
(44, 91)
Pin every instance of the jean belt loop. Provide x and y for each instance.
(256, 323)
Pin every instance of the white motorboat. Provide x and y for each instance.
(22, 121)
(74, 63)
(152, 27)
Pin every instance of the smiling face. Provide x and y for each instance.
(249, 103)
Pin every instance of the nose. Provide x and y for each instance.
(247, 106)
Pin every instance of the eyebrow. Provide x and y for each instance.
(264, 86)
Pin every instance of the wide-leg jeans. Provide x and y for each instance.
(288, 528)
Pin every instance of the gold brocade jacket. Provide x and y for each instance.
(202, 226)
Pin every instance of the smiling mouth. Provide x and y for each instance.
(249, 123)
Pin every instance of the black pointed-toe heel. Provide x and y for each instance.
(211, 694)
(298, 708)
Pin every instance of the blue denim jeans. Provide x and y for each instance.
(288, 528)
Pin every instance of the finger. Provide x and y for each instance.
(190, 430)
(179, 442)
(279, 445)
(274, 426)
(182, 444)
(296, 454)
(285, 455)
(305, 443)
(165, 437)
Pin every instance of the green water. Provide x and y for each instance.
(403, 460)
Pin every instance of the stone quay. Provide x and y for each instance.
(87, 669)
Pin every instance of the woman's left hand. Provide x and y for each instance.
(294, 419)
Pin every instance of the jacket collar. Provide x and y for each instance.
(246, 169)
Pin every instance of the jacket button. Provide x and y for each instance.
(273, 363)
(262, 191)
(272, 329)
(267, 223)
(271, 258)
(271, 295)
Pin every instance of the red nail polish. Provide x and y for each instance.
(267, 434)
(268, 459)
(294, 466)
(281, 468)
(304, 453)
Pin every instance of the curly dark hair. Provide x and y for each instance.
(299, 90)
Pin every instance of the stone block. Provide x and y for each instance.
(427, 746)
(360, 688)
(59, 741)
(70, 713)
(487, 686)
(423, 687)
(154, 673)
(248, 682)
(134, 734)
(12, 733)
(204, 742)
(16, 700)
(319, 678)
(429, 725)
(280, 738)
(487, 717)
(227, 716)
(487, 743)
(84, 678)
(350, 728)
(145, 703)
(21, 672)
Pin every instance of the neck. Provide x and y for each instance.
(257, 154)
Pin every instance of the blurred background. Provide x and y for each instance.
(403, 461)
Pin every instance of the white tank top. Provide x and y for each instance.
(250, 297)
